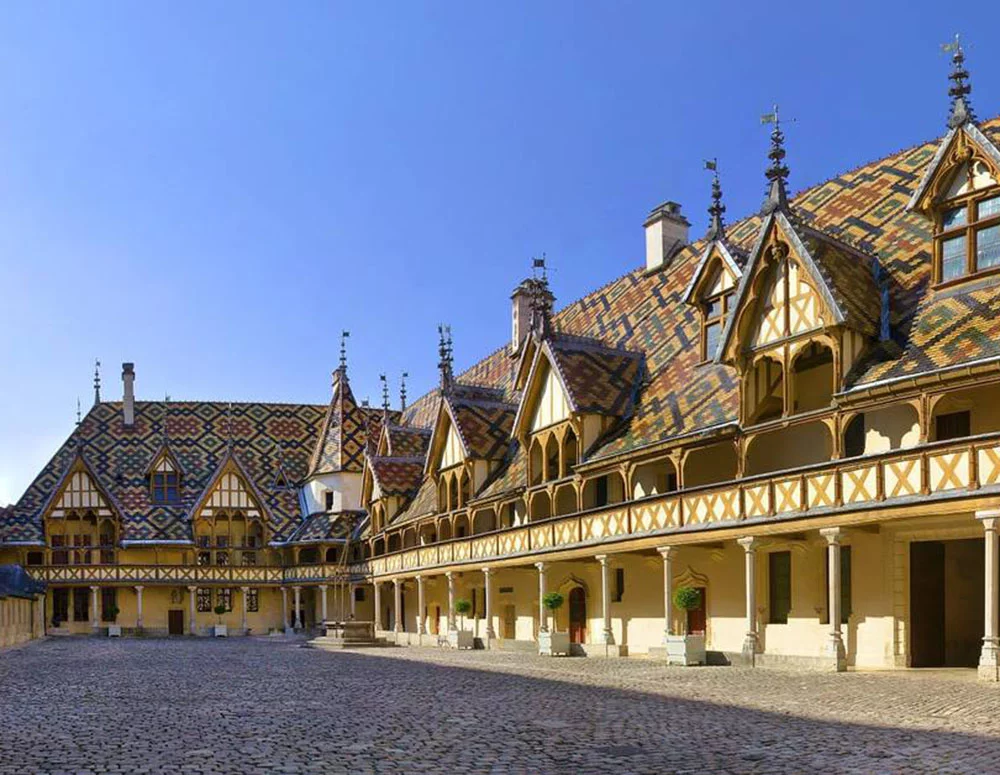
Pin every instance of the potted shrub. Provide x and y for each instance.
(114, 629)
(461, 638)
(550, 640)
(686, 649)
(220, 630)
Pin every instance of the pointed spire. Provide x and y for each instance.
(385, 392)
(961, 108)
(229, 426)
(777, 173)
(79, 416)
(446, 357)
(541, 298)
(716, 224)
(344, 336)
(97, 382)
(402, 391)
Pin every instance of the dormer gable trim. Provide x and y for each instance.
(943, 165)
(230, 463)
(715, 247)
(529, 398)
(445, 421)
(78, 464)
(775, 220)
(164, 453)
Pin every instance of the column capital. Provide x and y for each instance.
(396, 582)
(244, 590)
(667, 551)
(192, 589)
(94, 587)
(449, 574)
(749, 543)
(832, 534)
(324, 587)
(420, 580)
(542, 566)
(487, 571)
(601, 558)
(297, 588)
(139, 587)
(989, 518)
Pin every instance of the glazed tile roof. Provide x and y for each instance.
(342, 444)
(598, 379)
(333, 528)
(397, 475)
(406, 442)
(482, 418)
(199, 435)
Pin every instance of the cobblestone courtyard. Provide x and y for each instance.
(269, 706)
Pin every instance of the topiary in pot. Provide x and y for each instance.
(111, 613)
(220, 610)
(462, 607)
(687, 599)
(553, 601)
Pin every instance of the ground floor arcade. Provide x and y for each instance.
(904, 592)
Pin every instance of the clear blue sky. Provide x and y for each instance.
(213, 190)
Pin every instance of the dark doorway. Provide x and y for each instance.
(696, 616)
(946, 603)
(175, 621)
(577, 615)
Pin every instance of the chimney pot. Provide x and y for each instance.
(128, 400)
(666, 233)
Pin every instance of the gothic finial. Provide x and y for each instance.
(445, 355)
(344, 335)
(402, 390)
(777, 173)
(229, 425)
(385, 392)
(79, 416)
(97, 382)
(540, 299)
(961, 108)
(716, 225)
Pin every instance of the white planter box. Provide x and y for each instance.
(685, 649)
(220, 631)
(114, 630)
(460, 639)
(552, 643)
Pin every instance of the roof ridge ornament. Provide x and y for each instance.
(341, 371)
(961, 107)
(385, 392)
(777, 173)
(97, 381)
(446, 356)
(540, 299)
(716, 211)
(402, 391)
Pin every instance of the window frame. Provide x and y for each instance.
(773, 580)
(969, 229)
(161, 487)
(723, 298)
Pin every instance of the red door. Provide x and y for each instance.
(696, 616)
(577, 615)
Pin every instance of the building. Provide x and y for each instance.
(795, 415)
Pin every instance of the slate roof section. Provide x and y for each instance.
(342, 445)
(407, 442)
(15, 582)
(483, 420)
(323, 527)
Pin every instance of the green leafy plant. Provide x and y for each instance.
(111, 613)
(687, 599)
(220, 610)
(462, 607)
(553, 601)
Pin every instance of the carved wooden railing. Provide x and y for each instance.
(232, 575)
(942, 470)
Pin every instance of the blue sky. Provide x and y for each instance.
(214, 190)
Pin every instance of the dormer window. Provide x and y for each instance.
(165, 487)
(968, 228)
(714, 311)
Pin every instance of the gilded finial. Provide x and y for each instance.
(777, 173)
(716, 224)
(961, 108)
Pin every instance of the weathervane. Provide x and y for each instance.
(445, 354)
(961, 108)
(716, 225)
(777, 173)
(402, 389)
(385, 391)
(97, 381)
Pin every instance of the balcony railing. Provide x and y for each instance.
(182, 575)
(941, 470)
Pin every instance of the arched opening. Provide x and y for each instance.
(308, 555)
(812, 378)
(409, 538)
(428, 534)
(882, 430)
(565, 498)
(603, 491)
(465, 489)
(379, 548)
(966, 413)
(255, 535)
(444, 530)
(461, 526)
(540, 507)
(394, 542)
(443, 493)
(765, 391)
(484, 521)
(785, 448)
(333, 555)
(551, 458)
(535, 462)
(570, 452)
(507, 518)
(710, 465)
(654, 478)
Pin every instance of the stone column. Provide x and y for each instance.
(491, 634)
(192, 610)
(397, 605)
(322, 601)
(543, 624)
(989, 656)
(667, 553)
(350, 592)
(298, 607)
(245, 591)
(421, 605)
(284, 609)
(138, 607)
(609, 635)
(835, 645)
(452, 624)
(750, 644)
(378, 604)
(95, 617)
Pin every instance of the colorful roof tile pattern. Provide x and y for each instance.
(322, 527)
(598, 379)
(482, 418)
(342, 445)
(399, 476)
(406, 442)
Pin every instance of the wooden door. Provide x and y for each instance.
(577, 615)
(509, 622)
(436, 621)
(175, 621)
(696, 616)
(927, 621)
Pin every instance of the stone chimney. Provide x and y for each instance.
(128, 400)
(666, 233)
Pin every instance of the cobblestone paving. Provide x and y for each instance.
(268, 706)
